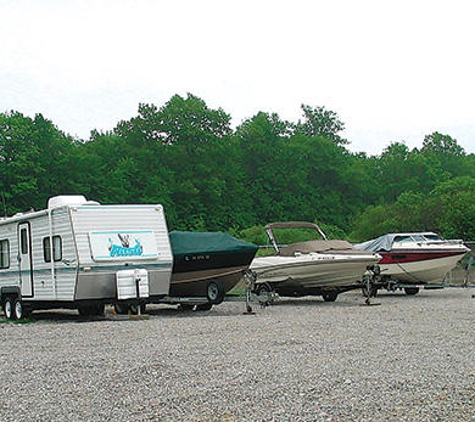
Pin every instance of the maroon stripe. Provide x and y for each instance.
(401, 256)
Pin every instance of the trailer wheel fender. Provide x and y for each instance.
(215, 292)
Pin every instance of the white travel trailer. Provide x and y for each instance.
(80, 254)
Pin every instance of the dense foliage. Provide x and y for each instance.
(210, 176)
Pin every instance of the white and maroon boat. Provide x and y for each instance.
(413, 259)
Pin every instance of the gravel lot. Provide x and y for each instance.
(408, 358)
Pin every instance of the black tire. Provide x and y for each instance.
(134, 309)
(411, 291)
(264, 291)
(215, 292)
(91, 310)
(330, 296)
(121, 309)
(18, 310)
(84, 310)
(8, 308)
(204, 307)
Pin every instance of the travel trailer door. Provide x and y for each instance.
(25, 259)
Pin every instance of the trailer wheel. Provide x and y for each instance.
(18, 309)
(8, 308)
(215, 293)
(121, 309)
(330, 296)
(411, 291)
(265, 290)
(134, 309)
(91, 310)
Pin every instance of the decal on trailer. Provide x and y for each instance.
(113, 245)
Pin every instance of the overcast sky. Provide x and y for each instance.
(391, 70)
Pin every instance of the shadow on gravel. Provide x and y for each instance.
(430, 294)
(317, 301)
(153, 311)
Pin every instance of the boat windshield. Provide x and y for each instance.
(432, 237)
(418, 238)
(403, 239)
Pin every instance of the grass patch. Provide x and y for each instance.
(16, 321)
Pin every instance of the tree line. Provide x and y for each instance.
(210, 176)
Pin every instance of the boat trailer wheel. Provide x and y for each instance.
(215, 292)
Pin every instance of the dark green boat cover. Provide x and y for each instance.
(184, 243)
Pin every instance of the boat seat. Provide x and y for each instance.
(319, 246)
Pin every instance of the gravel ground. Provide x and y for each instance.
(406, 359)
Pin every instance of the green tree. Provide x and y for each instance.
(452, 205)
(35, 160)
(319, 121)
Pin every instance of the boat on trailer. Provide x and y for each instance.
(207, 265)
(315, 267)
(413, 259)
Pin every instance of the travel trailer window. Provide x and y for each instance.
(4, 254)
(24, 241)
(57, 249)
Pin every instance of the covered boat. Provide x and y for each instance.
(208, 264)
(414, 258)
(315, 267)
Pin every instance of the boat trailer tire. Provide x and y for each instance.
(411, 291)
(265, 292)
(215, 292)
(263, 289)
(330, 296)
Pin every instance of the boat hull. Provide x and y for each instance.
(418, 268)
(195, 283)
(207, 261)
(312, 273)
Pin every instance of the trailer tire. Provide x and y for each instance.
(215, 292)
(134, 309)
(91, 310)
(8, 308)
(18, 310)
(411, 291)
(330, 296)
(265, 291)
(121, 309)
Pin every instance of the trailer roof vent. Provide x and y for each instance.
(62, 200)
